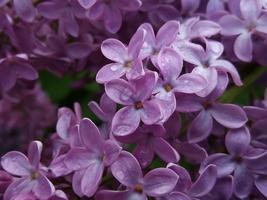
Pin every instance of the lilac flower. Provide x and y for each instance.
(66, 12)
(187, 190)
(88, 161)
(135, 95)
(194, 28)
(128, 172)
(170, 66)
(208, 64)
(150, 142)
(252, 21)
(5, 180)
(58, 195)
(245, 163)
(13, 68)
(126, 59)
(111, 12)
(153, 44)
(87, 3)
(228, 115)
(32, 176)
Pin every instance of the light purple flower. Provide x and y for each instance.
(248, 165)
(88, 161)
(25, 9)
(170, 65)
(126, 59)
(153, 44)
(208, 63)
(253, 20)
(128, 172)
(135, 95)
(228, 115)
(32, 176)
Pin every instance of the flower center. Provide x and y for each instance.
(138, 105)
(168, 87)
(138, 188)
(128, 64)
(35, 175)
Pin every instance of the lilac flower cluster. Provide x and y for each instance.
(164, 132)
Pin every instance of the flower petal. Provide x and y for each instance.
(231, 25)
(25, 9)
(114, 50)
(92, 178)
(16, 163)
(228, 115)
(150, 114)
(205, 182)
(44, 188)
(34, 153)
(127, 169)
(237, 141)
(159, 181)
(261, 184)
(125, 121)
(200, 127)
(243, 47)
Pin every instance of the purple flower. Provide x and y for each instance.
(88, 161)
(32, 176)
(135, 95)
(208, 64)
(128, 172)
(25, 9)
(186, 190)
(87, 3)
(153, 44)
(13, 68)
(58, 195)
(111, 12)
(66, 12)
(170, 65)
(150, 142)
(126, 59)
(253, 20)
(248, 165)
(228, 115)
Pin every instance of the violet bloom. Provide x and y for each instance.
(111, 12)
(128, 172)
(24, 9)
(227, 115)
(253, 20)
(126, 59)
(170, 65)
(208, 64)
(153, 44)
(29, 169)
(13, 68)
(135, 95)
(66, 12)
(186, 190)
(86, 4)
(88, 161)
(150, 142)
(248, 165)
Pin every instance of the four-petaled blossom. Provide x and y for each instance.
(128, 172)
(126, 59)
(135, 95)
(31, 173)
(253, 20)
(244, 162)
(88, 161)
(170, 65)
